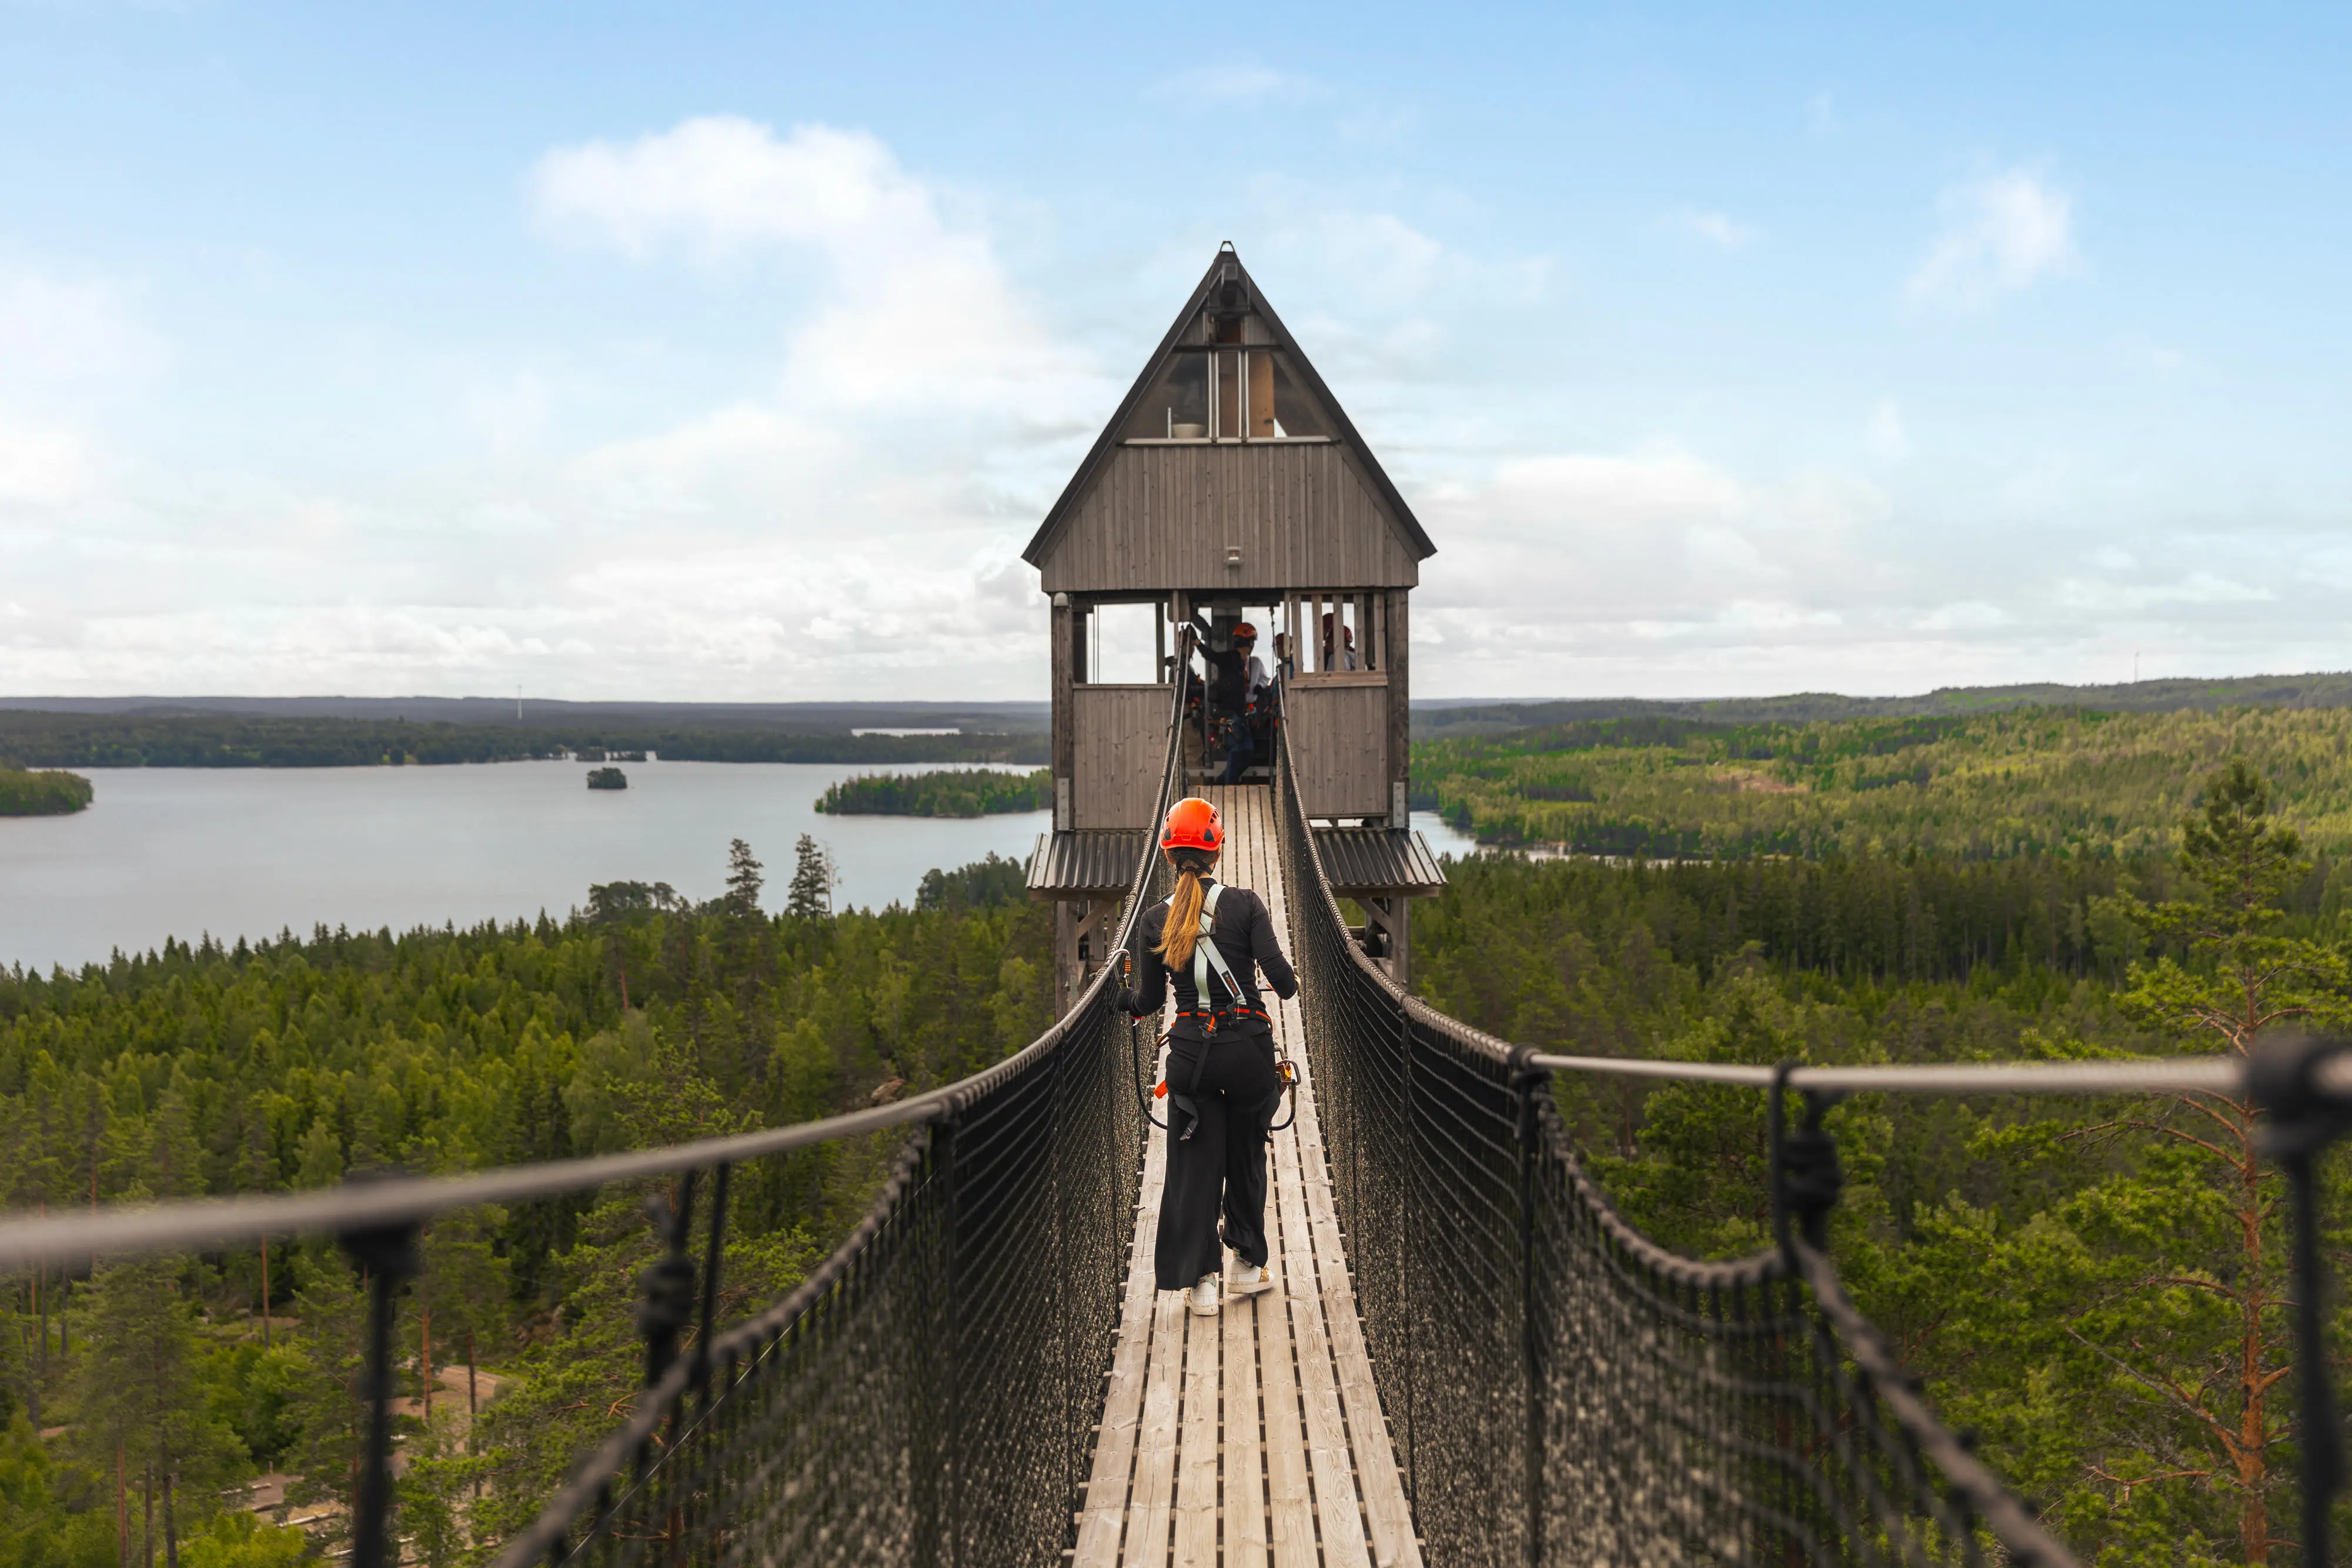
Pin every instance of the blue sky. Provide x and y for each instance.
(716, 353)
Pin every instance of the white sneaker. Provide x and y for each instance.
(1203, 1299)
(1248, 1280)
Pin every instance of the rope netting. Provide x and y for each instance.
(1561, 1388)
(930, 1394)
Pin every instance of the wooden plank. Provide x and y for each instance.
(1291, 1496)
(1388, 1516)
(1196, 1453)
(1244, 1467)
(1328, 1461)
(1151, 1503)
(1106, 1504)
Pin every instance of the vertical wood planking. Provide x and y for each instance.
(1119, 734)
(1161, 517)
(1340, 740)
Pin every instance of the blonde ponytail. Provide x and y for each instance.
(1183, 927)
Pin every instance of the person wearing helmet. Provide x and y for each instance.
(1208, 943)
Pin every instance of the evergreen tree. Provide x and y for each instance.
(140, 1396)
(743, 881)
(2202, 1337)
(327, 1399)
(810, 896)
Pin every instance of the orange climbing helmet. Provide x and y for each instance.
(1192, 824)
(1244, 632)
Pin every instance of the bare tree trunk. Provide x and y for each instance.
(122, 1510)
(170, 1526)
(473, 1405)
(264, 1292)
(424, 1360)
(147, 1518)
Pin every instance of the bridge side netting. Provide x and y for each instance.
(930, 1395)
(1561, 1389)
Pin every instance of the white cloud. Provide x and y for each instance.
(69, 350)
(1715, 228)
(1233, 82)
(2195, 588)
(1888, 437)
(43, 466)
(917, 309)
(511, 414)
(2000, 234)
(56, 335)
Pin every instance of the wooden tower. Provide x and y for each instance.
(1229, 485)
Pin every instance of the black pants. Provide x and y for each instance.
(1241, 750)
(1220, 1171)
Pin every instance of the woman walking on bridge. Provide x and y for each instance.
(1212, 941)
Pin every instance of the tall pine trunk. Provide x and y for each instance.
(2254, 1520)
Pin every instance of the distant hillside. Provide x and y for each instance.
(1451, 720)
(775, 718)
(2070, 781)
(180, 738)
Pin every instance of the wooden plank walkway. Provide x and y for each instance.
(1255, 1437)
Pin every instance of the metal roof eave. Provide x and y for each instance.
(1350, 441)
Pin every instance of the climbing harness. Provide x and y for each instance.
(1207, 961)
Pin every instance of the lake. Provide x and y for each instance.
(180, 851)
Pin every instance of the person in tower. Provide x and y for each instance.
(1209, 943)
(1236, 677)
(1339, 643)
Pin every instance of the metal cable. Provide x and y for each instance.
(2185, 1074)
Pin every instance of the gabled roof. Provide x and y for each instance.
(1105, 443)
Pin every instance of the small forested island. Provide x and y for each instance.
(29, 792)
(607, 779)
(947, 792)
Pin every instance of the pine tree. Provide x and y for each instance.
(810, 896)
(2201, 1335)
(140, 1390)
(744, 881)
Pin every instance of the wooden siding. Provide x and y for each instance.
(1120, 741)
(1338, 743)
(1163, 517)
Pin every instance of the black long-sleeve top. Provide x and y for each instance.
(1244, 937)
